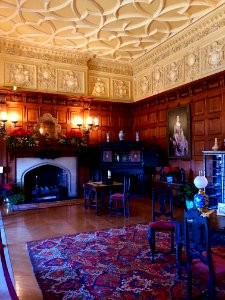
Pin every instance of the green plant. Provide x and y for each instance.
(187, 191)
(21, 138)
(13, 193)
(74, 138)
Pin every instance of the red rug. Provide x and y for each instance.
(106, 264)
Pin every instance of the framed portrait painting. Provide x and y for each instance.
(178, 131)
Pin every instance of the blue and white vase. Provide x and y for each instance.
(199, 201)
(121, 135)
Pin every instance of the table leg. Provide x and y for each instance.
(179, 247)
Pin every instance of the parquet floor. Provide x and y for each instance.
(23, 226)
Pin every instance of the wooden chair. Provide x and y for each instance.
(162, 218)
(202, 260)
(8, 280)
(119, 203)
(90, 196)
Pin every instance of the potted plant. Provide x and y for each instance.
(12, 193)
(187, 192)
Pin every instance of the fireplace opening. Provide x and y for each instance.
(46, 183)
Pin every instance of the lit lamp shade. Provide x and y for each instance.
(200, 182)
(201, 200)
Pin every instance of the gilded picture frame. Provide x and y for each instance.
(179, 132)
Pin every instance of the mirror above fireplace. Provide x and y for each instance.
(48, 126)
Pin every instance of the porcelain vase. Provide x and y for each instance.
(121, 135)
(199, 201)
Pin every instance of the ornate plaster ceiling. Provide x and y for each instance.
(123, 30)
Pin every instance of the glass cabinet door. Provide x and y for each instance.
(214, 170)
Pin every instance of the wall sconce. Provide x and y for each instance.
(92, 124)
(4, 123)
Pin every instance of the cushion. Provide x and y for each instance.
(117, 196)
(162, 225)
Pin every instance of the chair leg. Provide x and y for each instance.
(172, 242)
(151, 240)
(189, 285)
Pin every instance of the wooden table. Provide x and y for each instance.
(175, 190)
(217, 236)
(94, 194)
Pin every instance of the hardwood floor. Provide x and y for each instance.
(21, 227)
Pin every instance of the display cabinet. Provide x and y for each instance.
(122, 158)
(214, 170)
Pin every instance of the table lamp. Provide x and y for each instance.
(201, 199)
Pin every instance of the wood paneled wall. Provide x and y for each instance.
(148, 116)
(207, 109)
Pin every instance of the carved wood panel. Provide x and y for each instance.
(153, 117)
(198, 107)
(197, 147)
(32, 114)
(162, 115)
(214, 125)
(198, 128)
(61, 115)
(214, 103)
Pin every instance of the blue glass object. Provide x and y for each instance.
(169, 179)
(189, 204)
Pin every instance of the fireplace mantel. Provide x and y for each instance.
(44, 152)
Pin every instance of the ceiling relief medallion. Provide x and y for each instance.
(20, 75)
(157, 78)
(121, 89)
(46, 77)
(192, 64)
(99, 86)
(174, 73)
(70, 81)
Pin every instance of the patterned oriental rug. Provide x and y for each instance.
(106, 264)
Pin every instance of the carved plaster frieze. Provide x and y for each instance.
(46, 77)
(121, 89)
(99, 86)
(36, 52)
(70, 81)
(110, 67)
(21, 75)
(213, 56)
(157, 79)
(174, 73)
(195, 32)
(192, 64)
(144, 86)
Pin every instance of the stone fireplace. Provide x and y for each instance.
(45, 179)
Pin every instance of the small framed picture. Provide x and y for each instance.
(107, 156)
(221, 209)
(135, 156)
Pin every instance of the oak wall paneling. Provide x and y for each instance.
(148, 116)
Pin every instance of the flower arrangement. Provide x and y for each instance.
(12, 193)
(21, 138)
(74, 138)
(169, 172)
